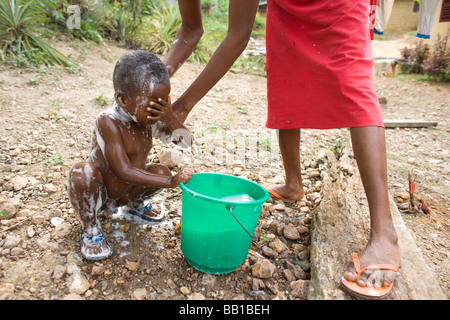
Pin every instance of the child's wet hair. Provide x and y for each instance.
(137, 71)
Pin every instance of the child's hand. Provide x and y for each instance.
(182, 176)
(161, 110)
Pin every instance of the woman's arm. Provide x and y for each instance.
(187, 37)
(241, 19)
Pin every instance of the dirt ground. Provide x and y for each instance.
(46, 122)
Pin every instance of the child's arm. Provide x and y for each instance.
(241, 19)
(117, 159)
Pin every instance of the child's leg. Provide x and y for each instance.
(289, 141)
(138, 194)
(370, 153)
(87, 195)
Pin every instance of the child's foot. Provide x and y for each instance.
(95, 247)
(283, 192)
(146, 211)
(383, 257)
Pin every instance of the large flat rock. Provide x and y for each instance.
(340, 228)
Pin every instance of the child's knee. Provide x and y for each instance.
(84, 175)
(160, 169)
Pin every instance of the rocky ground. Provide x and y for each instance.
(46, 122)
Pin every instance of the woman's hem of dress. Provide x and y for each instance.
(300, 126)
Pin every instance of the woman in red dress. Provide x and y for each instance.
(319, 64)
(319, 76)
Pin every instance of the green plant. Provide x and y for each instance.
(215, 30)
(259, 27)
(56, 160)
(35, 81)
(94, 19)
(162, 26)
(102, 100)
(125, 18)
(56, 103)
(51, 12)
(226, 126)
(263, 238)
(55, 106)
(16, 38)
(336, 145)
(213, 127)
(242, 109)
(265, 142)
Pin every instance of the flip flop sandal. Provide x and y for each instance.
(356, 290)
(276, 195)
(95, 241)
(141, 212)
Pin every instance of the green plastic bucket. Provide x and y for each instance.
(218, 220)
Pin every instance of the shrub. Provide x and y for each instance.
(162, 26)
(17, 20)
(94, 19)
(437, 65)
(415, 57)
(433, 64)
(125, 18)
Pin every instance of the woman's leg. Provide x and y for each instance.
(369, 148)
(292, 189)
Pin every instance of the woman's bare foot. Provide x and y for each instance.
(379, 251)
(285, 192)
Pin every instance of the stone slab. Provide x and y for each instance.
(340, 228)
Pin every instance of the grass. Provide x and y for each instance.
(265, 142)
(54, 108)
(251, 64)
(34, 81)
(422, 78)
(393, 156)
(404, 171)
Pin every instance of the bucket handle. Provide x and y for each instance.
(231, 211)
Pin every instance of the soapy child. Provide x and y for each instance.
(116, 173)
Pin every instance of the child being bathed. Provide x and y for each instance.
(116, 173)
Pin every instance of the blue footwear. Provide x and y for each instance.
(141, 212)
(95, 241)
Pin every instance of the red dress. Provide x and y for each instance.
(319, 65)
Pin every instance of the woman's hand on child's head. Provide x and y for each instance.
(182, 176)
